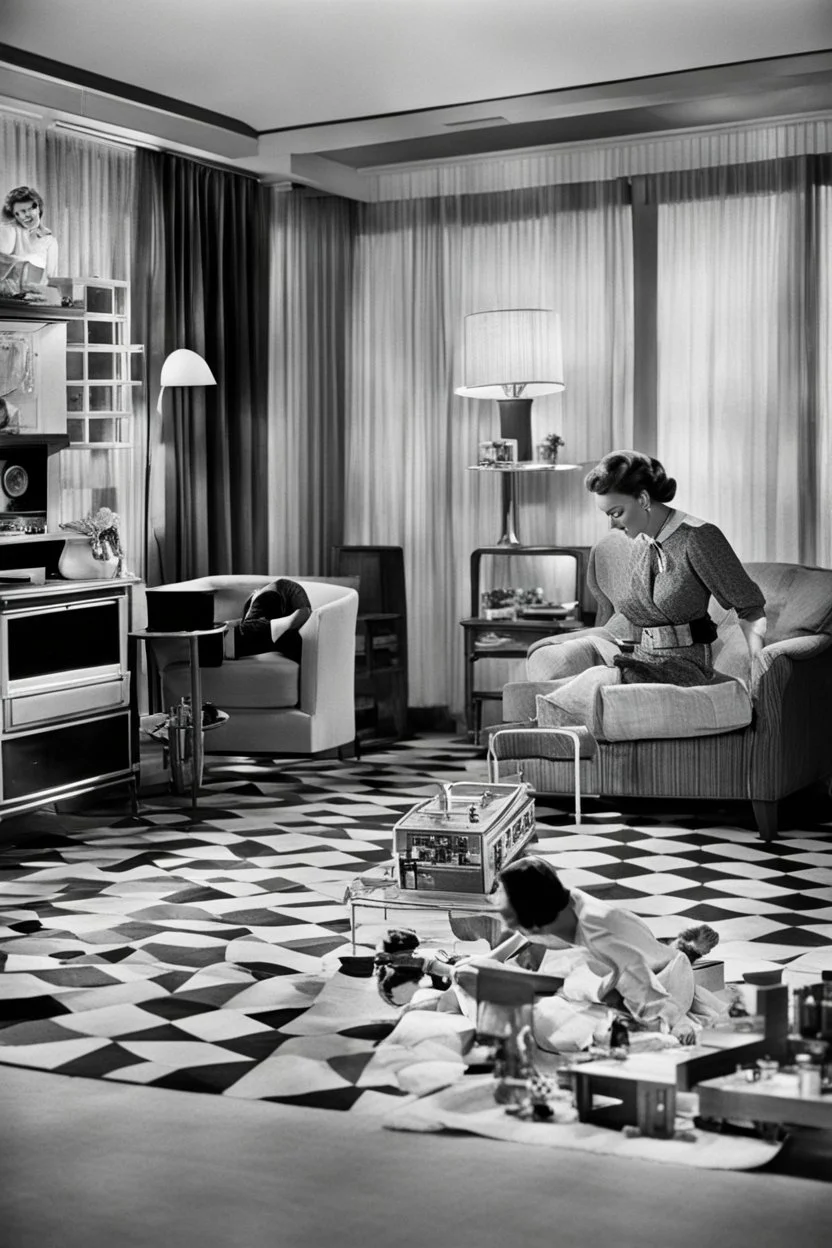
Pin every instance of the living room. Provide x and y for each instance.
(317, 210)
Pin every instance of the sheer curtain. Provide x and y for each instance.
(737, 421)
(310, 280)
(420, 267)
(87, 187)
(823, 354)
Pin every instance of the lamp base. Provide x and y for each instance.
(516, 422)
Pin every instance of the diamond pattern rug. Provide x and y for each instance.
(201, 952)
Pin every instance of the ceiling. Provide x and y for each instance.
(318, 90)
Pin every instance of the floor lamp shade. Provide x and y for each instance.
(512, 353)
(184, 368)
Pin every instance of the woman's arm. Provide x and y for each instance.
(286, 622)
(717, 566)
(499, 954)
(754, 632)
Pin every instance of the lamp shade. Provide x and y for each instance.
(512, 352)
(186, 368)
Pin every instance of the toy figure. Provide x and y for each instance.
(400, 968)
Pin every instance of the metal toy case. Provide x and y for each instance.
(459, 840)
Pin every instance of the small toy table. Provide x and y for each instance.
(773, 1100)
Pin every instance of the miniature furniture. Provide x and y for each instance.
(274, 706)
(785, 746)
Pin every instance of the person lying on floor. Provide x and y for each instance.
(619, 964)
(271, 622)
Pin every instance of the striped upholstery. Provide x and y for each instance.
(786, 746)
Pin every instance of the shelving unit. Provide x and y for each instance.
(103, 367)
(380, 640)
(518, 633)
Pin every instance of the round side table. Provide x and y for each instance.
(192, 636)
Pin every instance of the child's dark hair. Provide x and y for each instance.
(534, 891)
(630, 472)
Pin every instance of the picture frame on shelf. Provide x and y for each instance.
(497, 452)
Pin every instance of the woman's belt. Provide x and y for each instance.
(674, 636)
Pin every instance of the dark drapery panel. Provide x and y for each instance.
(311, 290)
(199, 280)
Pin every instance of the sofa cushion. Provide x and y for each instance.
(798, 599)
(631, 712)
(615, 712)
(263, 681)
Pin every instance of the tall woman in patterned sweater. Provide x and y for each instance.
(677, 562)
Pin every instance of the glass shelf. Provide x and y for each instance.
(526, 465)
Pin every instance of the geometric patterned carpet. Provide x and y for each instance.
(187, 953)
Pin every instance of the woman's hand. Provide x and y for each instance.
(685, 1031)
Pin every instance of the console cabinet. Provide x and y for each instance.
(64, 691)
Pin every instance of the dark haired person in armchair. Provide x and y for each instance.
(271, 621)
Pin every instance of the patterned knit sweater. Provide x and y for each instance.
(672, 576)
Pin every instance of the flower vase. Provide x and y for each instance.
(77, 563)
(547, 454)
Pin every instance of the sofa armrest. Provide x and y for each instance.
(792, 690)
(327, 671)
(797, 648)
(520, 700)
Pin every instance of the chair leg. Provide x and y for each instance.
(765, 814)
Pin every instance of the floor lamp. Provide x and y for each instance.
(513, 355)
(181, 368)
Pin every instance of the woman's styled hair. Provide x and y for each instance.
(630, 472)
(21, 195)
(533, 891)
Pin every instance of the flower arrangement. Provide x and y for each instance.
(102, 527)
(547, 450)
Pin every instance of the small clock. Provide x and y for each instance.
(15, 481)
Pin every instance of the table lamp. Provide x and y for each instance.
(513, 355)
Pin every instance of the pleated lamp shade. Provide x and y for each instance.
(512, 352)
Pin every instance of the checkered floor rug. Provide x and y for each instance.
(189, 951)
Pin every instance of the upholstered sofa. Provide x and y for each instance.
(778, 741)
(274, 707)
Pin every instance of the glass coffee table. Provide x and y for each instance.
(378, 890)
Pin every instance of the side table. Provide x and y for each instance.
(192, 636)
(519, 636)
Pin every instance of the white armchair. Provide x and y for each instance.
(273, 708)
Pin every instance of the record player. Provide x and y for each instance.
(459, 840)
